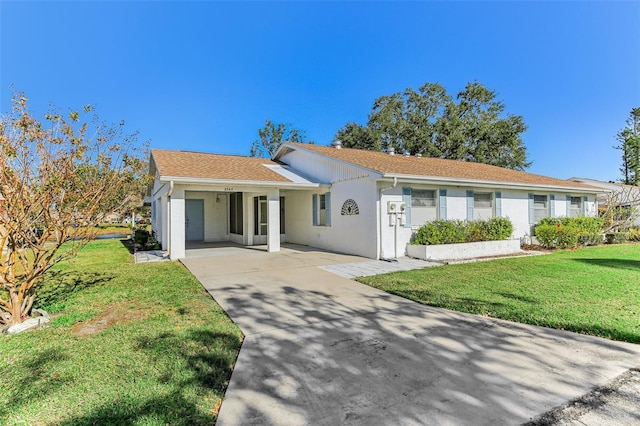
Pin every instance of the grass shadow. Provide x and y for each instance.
(58, 286)
(202, 363)
(632, 265)
(128, 244)
(35, 367)
(173, 409)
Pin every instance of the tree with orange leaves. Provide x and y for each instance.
(58, 178)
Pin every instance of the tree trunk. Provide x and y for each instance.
(16, 308)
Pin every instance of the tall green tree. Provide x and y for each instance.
(477, 129)
(427, 121)
(353, 135)
(408, 120)
(629, 139)
(272, 135)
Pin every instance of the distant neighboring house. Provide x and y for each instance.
(345, 200)
(622, 195)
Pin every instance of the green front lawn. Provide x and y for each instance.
(593, 290)
(132, 344)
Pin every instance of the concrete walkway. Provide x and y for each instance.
(324, 350)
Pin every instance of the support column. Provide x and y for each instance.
(273, 218)
(177, 228)
(248, 218)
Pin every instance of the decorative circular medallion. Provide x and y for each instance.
(350, 207)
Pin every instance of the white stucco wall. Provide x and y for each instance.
(515, 206)
(457, 203)
(354, 234)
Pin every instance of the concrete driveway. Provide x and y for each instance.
(325, 350)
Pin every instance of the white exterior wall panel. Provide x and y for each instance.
(456, 203)
(321, 169)
(515, 206)
(354, 234)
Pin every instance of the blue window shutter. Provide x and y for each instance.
(406, 199)
(327, 205)
(584, 205)
(552, 205)
(469, 205)
(442, 202)
(568, 205)
(498, 204)
(314, 212)
(531, 213)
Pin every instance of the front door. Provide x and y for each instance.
(194, 220)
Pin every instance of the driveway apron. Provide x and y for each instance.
(320, 349)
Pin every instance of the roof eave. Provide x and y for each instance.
(486, 183)
(263, 184)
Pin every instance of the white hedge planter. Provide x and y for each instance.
(464, 250)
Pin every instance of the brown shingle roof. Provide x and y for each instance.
(436, 167)
(214, 166)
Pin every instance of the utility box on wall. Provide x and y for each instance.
(396, 210)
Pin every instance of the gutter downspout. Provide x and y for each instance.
(169, 217)
(395, 182)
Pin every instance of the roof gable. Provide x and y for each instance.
(426, 167)
(198, 165)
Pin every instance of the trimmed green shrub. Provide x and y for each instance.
(616, 237)
(441, 232)
(558, 232)
(498, 228)
(457, 231)
(589, 239)
(141, 236)
(557, 236)
(589, 225)
(494, 229)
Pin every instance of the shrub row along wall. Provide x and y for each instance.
(565, 232)
(457, 231)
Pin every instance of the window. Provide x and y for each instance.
(482, 205)
(540, 207)
(260, 220)
(576, 207)
(282, 231)
(235, 213)
(423, 206)
(321, 209)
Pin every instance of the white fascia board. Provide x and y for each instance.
(373, 174)
(249, 183)
(488, 184)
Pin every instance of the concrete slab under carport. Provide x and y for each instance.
(321, 349)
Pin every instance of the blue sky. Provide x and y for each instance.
(206, 75)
